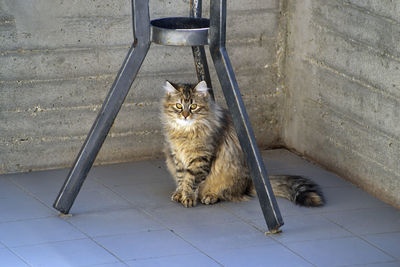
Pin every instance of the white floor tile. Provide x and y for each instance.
(67, 253)
(143, 245)
(339, 252)
(37, 231)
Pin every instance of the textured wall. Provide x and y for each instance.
(343, 89)
(59, 58)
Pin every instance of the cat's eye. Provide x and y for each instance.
(193, 106)
(179, 105)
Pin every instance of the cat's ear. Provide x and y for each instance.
(169, 88)
(201, 88)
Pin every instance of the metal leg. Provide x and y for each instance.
(200, 61)
(199, 54)
(239, 115)
(109, 110)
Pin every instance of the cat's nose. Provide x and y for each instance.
(185, 113)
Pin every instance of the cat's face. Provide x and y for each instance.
(186, 104)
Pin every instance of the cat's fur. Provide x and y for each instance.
(204, 156)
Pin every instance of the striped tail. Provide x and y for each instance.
(298, 189)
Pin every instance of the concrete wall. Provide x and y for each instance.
(343, 89)
(59, 58)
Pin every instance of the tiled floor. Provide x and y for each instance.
(123, 217)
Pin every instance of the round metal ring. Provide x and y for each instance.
(180, 31)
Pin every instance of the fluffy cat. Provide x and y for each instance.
(204, 156)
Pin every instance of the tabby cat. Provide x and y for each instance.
(204, 156)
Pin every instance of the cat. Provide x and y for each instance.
(204, 156)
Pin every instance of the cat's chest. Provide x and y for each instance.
(184, 148)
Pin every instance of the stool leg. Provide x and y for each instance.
(100, 129)
(200, 62)
(199, 54)
(109, 110)
(241, 122)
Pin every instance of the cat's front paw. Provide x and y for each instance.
(209, 199)
(176, 196)
(188, 201)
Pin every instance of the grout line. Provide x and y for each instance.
(28, 219)
(362, 127)
(111, 76)
(381, 233)
(322, 239)
(367, 84)
(88, 17)
(360, 237)
(369, 12)
(167, 227)
(349, 39)
(379, 262)
(103, 76)
(101, 48)
(92, 107)
(18, 256)
(247, 221)
(348, 3)
(271, 236)
(323, 215)
(126, 233)
(100, 245)
(194, 246)
(273, 10)
(57, 213)
(33, 111)
(49, 242)
(357, 209)
(92, 239)
(163, 257)
(77, 137)
(31, 195)
(323, 65)
(35, 51)
(45, 204)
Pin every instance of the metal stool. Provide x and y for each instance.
(190, 31)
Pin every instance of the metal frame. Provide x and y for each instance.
(124, 80)
(111, 106)
(230, 87)
(199, 54)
